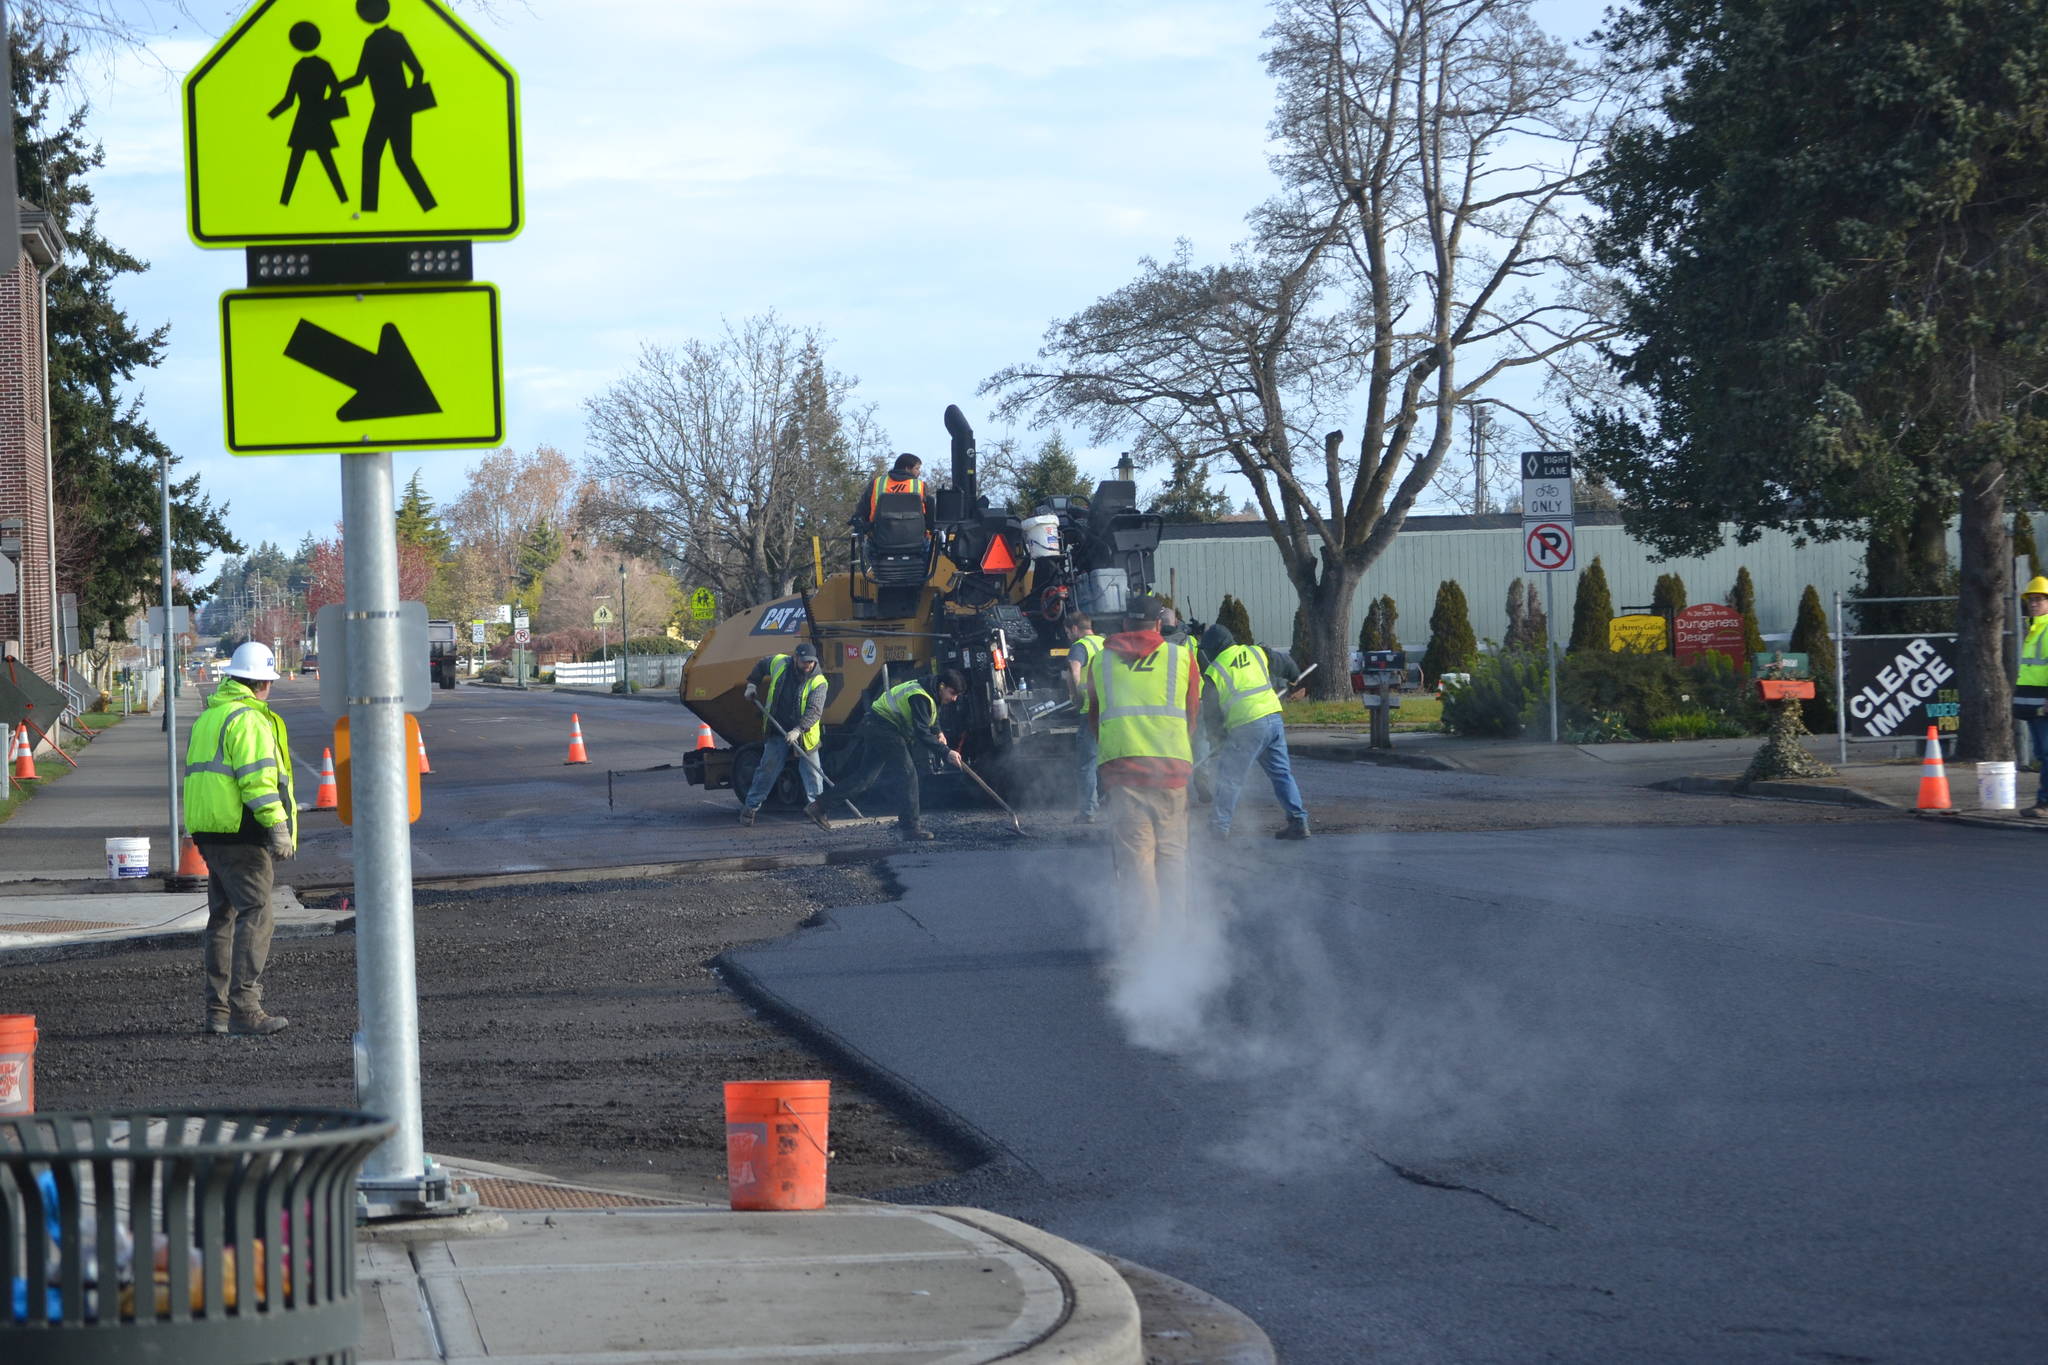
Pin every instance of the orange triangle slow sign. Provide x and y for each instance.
(998, 559)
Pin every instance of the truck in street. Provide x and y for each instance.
(443, 652)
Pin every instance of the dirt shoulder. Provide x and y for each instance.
(572, 1028)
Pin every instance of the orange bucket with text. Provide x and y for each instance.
(776, 1143)
(17, 1064)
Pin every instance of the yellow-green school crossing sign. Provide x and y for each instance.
(351, 120)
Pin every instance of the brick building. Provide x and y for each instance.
(28, 617)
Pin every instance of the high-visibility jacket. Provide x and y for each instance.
(806, 738)
(238, 759)
(1144, 704)
(895, 705)
(1243, 678)
(2033, 678)
(884, 484)
(1080, 652)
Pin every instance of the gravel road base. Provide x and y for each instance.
(571, 1028)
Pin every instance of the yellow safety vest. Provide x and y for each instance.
(777, 666)
(238, 759)
(1144, 704)
(894, 706)
(1082, 651)
(885, 484)
(2034, 657)
(1243, 678)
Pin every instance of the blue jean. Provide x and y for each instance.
(775, 753)
(2037, 735)
(1264, 742)
(1085, 742)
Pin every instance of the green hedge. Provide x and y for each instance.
(1604, 697)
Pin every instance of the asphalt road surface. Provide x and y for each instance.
(1604, 1092)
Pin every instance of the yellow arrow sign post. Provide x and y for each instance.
(398, 367)
(351, 120)
(358, 148)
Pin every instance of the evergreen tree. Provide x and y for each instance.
(1378, 630)
(105, 454)
(1187, 495)
(1810, 637)
(1233, 617)
(1667, 599)
(1518, 606)
(2023, 541)
(1592, 609)
(1452, 646)
(1050, 473)
(419, 525)
(1743, 599)
(1300, 646)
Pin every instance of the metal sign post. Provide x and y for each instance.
(170, 656)
(1548, 542)
(1550, 647)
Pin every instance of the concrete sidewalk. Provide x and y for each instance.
(545, 1271)
(118, 791)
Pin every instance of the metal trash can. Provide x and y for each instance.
(186, 1237)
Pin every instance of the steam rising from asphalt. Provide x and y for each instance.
(1374, 1011)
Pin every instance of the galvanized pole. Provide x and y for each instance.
(625, 635)
(387, 994)
(163, 466)
(1550, 645)
(1841, 702)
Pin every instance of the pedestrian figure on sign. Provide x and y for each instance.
(386, 60)
(317, 91)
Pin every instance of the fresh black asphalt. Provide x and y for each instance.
(1769, 1093)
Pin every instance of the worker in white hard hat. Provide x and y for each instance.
(2030, 692)
(243, 814)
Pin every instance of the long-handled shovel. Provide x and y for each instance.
(806, 756)
(1015, 823)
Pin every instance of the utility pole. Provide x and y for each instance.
(1482, 423)
(625, 635)
(170, 659)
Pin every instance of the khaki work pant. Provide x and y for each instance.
(239, 921)
(1148, 828)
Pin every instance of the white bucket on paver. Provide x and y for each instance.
(1995, 783)
(127, 857)
(1041, 537)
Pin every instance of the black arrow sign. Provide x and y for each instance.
(387, 381)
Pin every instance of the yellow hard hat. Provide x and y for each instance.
(2036, 586)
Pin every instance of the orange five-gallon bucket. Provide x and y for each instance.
(775, 1143)
(17, 1064)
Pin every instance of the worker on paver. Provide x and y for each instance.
(1241, 712)
(1083, 644)
(2030, 693)
(903, 717)
(241, 810)
(905, 476)
(1144, 700)
(795, 722)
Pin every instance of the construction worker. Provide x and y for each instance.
(1144, 700)
(1241, 710)
(795, 721)
(905, 476)
(904, 715)
(1083, 644)
(2030, 692)
(241, 810)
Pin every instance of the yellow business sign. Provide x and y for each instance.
(377, 367)
(1636, 634)
(343, 120)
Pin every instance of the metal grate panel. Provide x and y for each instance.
(494, 1192)
(55, 926)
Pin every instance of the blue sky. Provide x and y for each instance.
(929, 183)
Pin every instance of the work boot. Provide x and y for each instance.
(2037, 811)
(215, 1023)
(259, 1025)
(746, 815)
(1085, 818)
(913, 833)
(816, 810)
(1296, 829)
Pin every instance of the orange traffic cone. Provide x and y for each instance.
(1933, 777)
(24, 757)
(191, 862)
(420, 742)
(704, 740)
(576, 753)
(327, 797)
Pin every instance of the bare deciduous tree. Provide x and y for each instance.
(1432, 154)
(725, 457)
(508, 497)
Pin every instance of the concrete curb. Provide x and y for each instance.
(30, 954)
(1183, 1325)
(2008, 822)
(1101, 1323)
(1813, 793)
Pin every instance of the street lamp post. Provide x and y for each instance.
(625, 636)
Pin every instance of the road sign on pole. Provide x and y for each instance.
(396, 367)
(301, 125)
(1547, 547)
(602, 617)
(703, 604)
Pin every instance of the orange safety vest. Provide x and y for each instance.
(885, 484)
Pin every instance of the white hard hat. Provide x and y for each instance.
(253, 662)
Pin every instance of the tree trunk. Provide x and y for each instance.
(1326, 616)
(1986, 593)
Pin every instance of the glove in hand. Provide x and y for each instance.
(281, 845)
